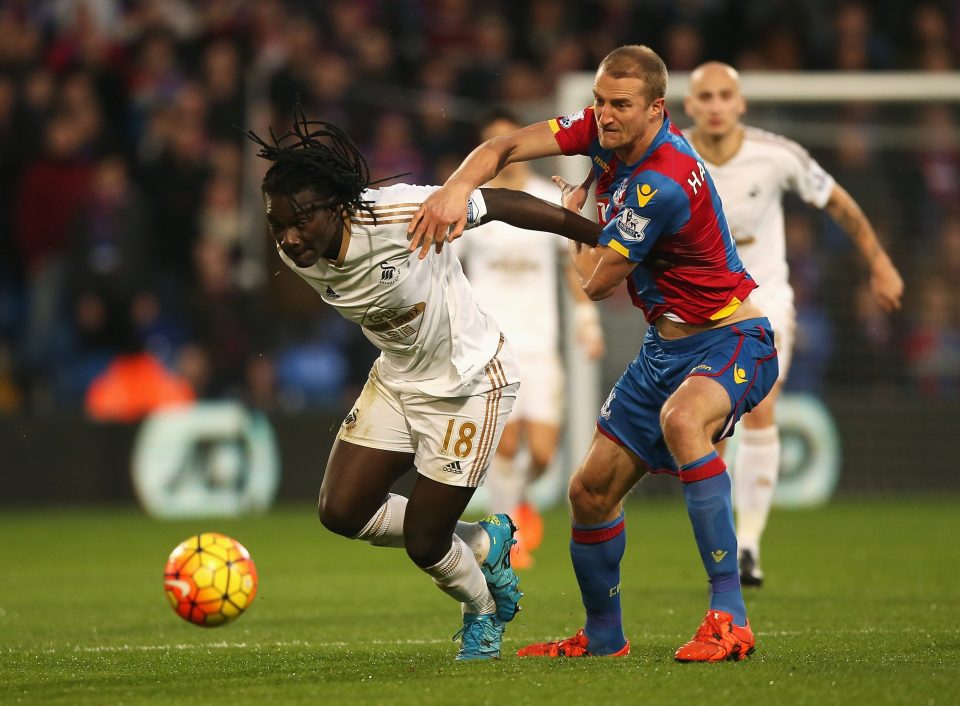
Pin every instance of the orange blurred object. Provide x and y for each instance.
(132, 386)
(520, 556)
(529, 523)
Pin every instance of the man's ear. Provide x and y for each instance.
(656, 107)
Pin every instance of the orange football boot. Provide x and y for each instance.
(718, 639)
(530, 524)
(576, 646)
(520, 555)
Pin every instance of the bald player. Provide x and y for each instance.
(752, 170)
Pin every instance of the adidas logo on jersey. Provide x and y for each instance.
(453, 467)
(331, 294)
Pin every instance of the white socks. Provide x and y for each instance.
(505, 483)
(459, 576)
(385, 528)
(476, 538)
(755, 467)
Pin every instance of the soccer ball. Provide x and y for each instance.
(210, 579)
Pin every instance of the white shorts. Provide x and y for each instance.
(783, 318)
(541, 397)
(453, 438)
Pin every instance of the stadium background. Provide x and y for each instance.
(130, 218)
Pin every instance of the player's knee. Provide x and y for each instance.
(540, 459)
(761, 417)
(337, 518)
(587, 500)
(423, 548)
(508, 448)
(678, 424)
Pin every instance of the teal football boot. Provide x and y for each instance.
(480, 637)
(501, 579)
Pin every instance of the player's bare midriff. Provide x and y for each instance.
(672, 329)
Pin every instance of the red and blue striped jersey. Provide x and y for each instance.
(664, 214)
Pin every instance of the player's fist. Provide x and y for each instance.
(572, 196)
(441, 218)
(886, 283)
(586, 319)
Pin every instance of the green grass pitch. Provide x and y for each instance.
(861, 606)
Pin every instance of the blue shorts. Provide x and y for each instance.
(741, 357)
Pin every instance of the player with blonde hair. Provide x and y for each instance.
(707, 357)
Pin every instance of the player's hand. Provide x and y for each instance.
(572, 196)
(886, 283)
(441, 218)
(589, 331)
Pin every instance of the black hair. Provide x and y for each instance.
(315, 155)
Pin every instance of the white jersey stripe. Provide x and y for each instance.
(394, 206)
(384, 220)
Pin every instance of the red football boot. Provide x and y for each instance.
(576, 646)
(718, 639)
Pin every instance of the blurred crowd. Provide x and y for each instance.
(132, 250)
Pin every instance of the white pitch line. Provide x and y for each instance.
(229, 646)
(182, 646)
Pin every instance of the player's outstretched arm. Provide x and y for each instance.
(885, 281)
(522, 210)
(442, 216)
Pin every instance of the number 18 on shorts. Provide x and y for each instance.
(453, 438)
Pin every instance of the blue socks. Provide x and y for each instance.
(596, 551)
(706, 488)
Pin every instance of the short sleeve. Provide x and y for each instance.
(806, 178)
(653, 205)
(576, 132)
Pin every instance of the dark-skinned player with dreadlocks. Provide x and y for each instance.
(440, 393)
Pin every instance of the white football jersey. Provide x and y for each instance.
(514, 275)
(421, 314)
(751, 186)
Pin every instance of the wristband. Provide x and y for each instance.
(476, 209)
